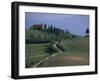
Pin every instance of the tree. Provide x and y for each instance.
(45, 27)
(50, 49)
(48, 29)
(51, 28)
(87, 31)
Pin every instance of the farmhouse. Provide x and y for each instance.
(37, 26)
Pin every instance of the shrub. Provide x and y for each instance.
(60, 47)
(50, 49)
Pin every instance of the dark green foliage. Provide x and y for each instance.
(87, 31)
(60, 47)
(51, 28)
(31, 41)
(45, 27)
(50, 49)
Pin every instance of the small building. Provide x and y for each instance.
(37, 27)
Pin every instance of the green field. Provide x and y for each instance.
(76, 53)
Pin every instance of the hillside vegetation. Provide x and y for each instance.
(47, 34)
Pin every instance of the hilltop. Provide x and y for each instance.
(43, 33)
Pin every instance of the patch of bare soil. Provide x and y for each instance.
(75, 58)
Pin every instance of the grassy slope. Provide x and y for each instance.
(35, 53)
(77, 53)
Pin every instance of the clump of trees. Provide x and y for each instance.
(50, 49)
(60, 47)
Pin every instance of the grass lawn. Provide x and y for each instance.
(34, 53)
(77, 53)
